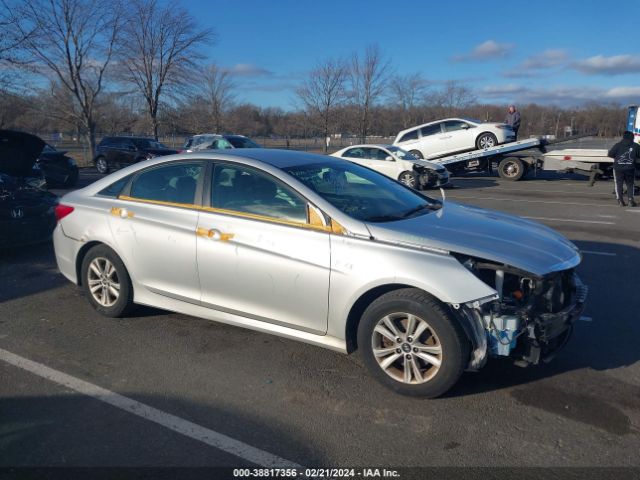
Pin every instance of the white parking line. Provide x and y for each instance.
(167, 420)
(606, 254)
(571, 220)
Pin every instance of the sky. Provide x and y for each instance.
(561, 52)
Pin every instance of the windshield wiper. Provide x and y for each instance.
(383, 218)
(424, 206)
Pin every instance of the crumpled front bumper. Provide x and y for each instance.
(545, 335)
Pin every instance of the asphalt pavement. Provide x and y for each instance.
(163, 389)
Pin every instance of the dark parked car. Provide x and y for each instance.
(27, 212)
(240, 141)
(59, 169)
(118, 152)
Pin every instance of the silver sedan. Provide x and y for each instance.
(324, 251)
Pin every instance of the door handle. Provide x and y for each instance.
(214, 234)
(121, 212)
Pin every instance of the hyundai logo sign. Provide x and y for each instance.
(17, 213)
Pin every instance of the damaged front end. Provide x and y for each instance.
(530, 320)
(430, 177)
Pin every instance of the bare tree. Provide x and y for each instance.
(323, 92)
(368, 77)
(12, 41)
(216, 89)
(160, 49)
(454, 96)
(407, 92)
(72, 43)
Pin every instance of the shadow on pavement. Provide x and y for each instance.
(76, 430)
(607, 339)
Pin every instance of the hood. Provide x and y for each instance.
(18, 152)
(485, 234)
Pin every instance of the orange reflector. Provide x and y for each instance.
(518, 295)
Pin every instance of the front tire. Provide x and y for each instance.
(416, 153)
(411, 344)
(102, 165)
(106, 282)
(486, 140)
(409, 179)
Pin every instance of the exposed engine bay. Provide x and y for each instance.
(530, 320)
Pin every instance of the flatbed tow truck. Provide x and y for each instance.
(515, 159)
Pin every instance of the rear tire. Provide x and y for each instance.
(511, 168)
(416, 153)
(486, 140)
(106, 282)
(102, 165)
(411, 344)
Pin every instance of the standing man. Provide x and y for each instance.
(625, 154)
(513, 119)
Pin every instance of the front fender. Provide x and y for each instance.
(360, 265)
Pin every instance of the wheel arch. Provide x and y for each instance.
(82, 253)
(489, 132)
(365, 299)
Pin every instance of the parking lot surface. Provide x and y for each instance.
(194, 387)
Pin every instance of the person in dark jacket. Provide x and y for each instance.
(625, 154)
(513, 119)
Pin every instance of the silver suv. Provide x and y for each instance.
(324, 251)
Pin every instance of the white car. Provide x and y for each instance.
(452, 135)
(398, 164)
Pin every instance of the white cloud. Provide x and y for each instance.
(623, 92)
(485, 51)
(558, 95)
(615, 65)
(534, 65)
(248, 70)
(546, 59)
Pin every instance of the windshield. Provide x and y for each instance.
(362, 193)
(242, 142)
(472, 120)
(145, 143)
(401, 153)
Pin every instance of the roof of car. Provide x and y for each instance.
(376, 145)
(279, 158)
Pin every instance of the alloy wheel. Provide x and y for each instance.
(103, 282)
(406, 348)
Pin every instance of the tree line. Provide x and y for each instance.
(138, 66)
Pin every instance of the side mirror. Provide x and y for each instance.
(389, 159)
(465, 126)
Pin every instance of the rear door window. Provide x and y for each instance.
(173, 183)
(430, 130)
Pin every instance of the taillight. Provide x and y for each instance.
(62, 211)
